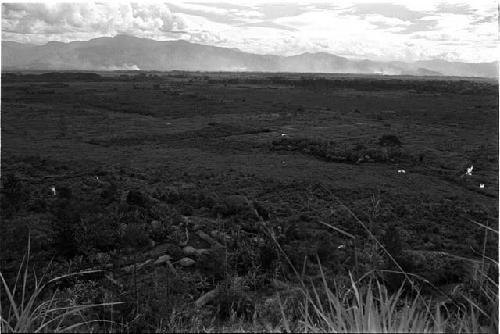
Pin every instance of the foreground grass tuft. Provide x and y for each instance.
(26, 310)
(370, 309)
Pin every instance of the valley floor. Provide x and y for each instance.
(186, 185)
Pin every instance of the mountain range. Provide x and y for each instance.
(125, 52)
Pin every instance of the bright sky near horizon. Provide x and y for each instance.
(377, 30)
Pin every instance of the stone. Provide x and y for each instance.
(197, 226)
(191, 251)
(142, 265)
(163, 249)
(207, 297)
(186, 262)
(220, 236)
(163, 259)
(187, 186)
(208, 239)
(156, 226)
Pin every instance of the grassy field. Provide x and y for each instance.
(247, 182)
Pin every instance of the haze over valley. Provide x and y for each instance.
(125, 52)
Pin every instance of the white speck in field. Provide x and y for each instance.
(481, 185)
(53, 189)
(341, 246)
(401, 171)
(284, 135)
(167, 123)
(469, 171)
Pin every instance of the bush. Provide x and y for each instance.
(66, 219)
(14, 195)
(233, 205)
(110, 193)
(97, 232)
(136, 197)
(135, 236)
(390, 141)
(392, 242)
(233, 300)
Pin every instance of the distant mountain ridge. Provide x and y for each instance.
(124, 52)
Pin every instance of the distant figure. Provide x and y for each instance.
(469, 171)
(421, 157)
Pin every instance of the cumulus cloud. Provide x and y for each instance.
(62, 21)
(383, 30)
(386, 9)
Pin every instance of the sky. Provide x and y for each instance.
(377, 30)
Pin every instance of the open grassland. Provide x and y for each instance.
(188, 201)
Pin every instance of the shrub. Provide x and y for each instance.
(186, 209)
(136, 197)
(207, 200)
(97, 232)
(392, 242)
(66, 219)
(236, 204)
(233, 205)
(135, 236)
(110, 193)
(233, 300)
(390, 141)
(14, 195)
(64, 192)
(38, 205)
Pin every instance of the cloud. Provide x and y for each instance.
(59, 20)
(419, 25)
(231, 15)
(385, 30)
(268, 24)
(386, 9)
(384, 22)
(452, 8)
(272, 11)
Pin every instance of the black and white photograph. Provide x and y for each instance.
(220, 166)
